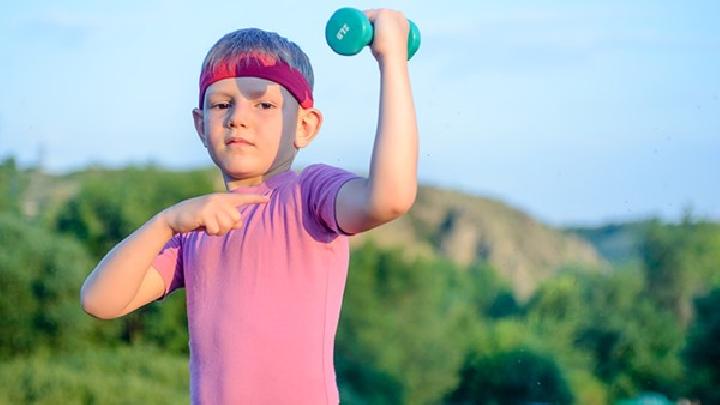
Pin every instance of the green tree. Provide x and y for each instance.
(519, 376)
(360, 382)
(553, 316)
(635, 345)
(111, 204)
(681, 261)
(489, 295)
(165, 324)
(702, 354)
(12, 186)
(402, 319)
(632, 344)
(122, 375)
(41, 276)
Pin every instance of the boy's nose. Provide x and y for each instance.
(237, 117)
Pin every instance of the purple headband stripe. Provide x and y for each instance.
(256, 64)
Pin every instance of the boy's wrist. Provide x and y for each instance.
(391, 61)
(160, 219)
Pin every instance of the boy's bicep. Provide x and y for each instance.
(151, 288)
(352, 207)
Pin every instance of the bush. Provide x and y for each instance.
(40, 290)
(110, 376)
(513, 377)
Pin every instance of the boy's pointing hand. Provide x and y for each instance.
(391, 30)
(216, 214)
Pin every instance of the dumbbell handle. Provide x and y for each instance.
(348, 31)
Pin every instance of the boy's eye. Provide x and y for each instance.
(221, 106)
(266, 106)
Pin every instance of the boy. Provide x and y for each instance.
(264, 264)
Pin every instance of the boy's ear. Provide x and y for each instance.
(308, 124)
(198, 121)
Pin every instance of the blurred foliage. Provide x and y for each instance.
(96, 376)
(411, 326)
(415, 331)
(111, 204)
(12, 185)
(619, 243)
(41, 274)
(635, 346)
(497, 379)
(680, 262)
(703, 351)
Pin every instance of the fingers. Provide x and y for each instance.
(225, 222)
(236, 219)
(223, 215)
(234, 215)
(222, 222)
(211, 227)
(371, 13)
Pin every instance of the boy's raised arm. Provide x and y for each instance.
(390, 190)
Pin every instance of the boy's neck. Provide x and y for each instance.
(233, 183)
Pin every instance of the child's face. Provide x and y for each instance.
(262, 115)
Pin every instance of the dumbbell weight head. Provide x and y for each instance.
(348, 30)
(413, 39)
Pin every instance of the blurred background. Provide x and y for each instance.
(565, 242)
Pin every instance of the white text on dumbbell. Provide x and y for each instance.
(342, 31)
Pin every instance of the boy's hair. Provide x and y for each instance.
(253, 40)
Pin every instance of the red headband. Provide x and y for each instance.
(262, 65)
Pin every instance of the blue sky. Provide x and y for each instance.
(575, 112)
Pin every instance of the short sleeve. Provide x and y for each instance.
(320, 185)
(169, 264)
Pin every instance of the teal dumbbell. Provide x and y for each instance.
(349, 30)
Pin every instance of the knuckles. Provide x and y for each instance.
(397, 15)
(388, 12)
(213, 199)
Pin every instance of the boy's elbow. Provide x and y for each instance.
(89, 308)
(396, 209)
(93, 309)
(99, 314)
(401, 209)
(405, 202)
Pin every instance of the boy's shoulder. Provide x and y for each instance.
(322, 171)
(318, 167)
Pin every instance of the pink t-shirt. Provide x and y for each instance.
(263, 301)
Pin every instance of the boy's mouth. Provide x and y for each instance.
(236, 140)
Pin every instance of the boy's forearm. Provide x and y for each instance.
(393, 170)
(116, 279)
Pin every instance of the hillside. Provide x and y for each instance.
(618, 243)
(469, 229)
